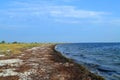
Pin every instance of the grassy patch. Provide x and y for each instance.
(9, 49)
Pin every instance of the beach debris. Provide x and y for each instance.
(10, 62)
(1, 55)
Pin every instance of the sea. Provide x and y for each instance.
(100, 58)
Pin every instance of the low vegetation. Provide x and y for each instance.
(16, 48)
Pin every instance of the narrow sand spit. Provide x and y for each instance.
(43, 63)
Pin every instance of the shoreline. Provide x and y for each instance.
(81, 67)
(43, 63)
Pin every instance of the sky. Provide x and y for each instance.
(60, 20)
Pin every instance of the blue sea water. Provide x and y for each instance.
(100, 58)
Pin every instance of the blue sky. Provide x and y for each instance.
(60, 20)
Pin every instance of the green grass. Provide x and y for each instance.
(17, 48)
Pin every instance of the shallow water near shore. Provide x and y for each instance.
(100, 58)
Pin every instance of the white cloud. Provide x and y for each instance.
(59, 13)
(73, 12)
(42, 7)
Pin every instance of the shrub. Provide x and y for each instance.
(2, 42)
